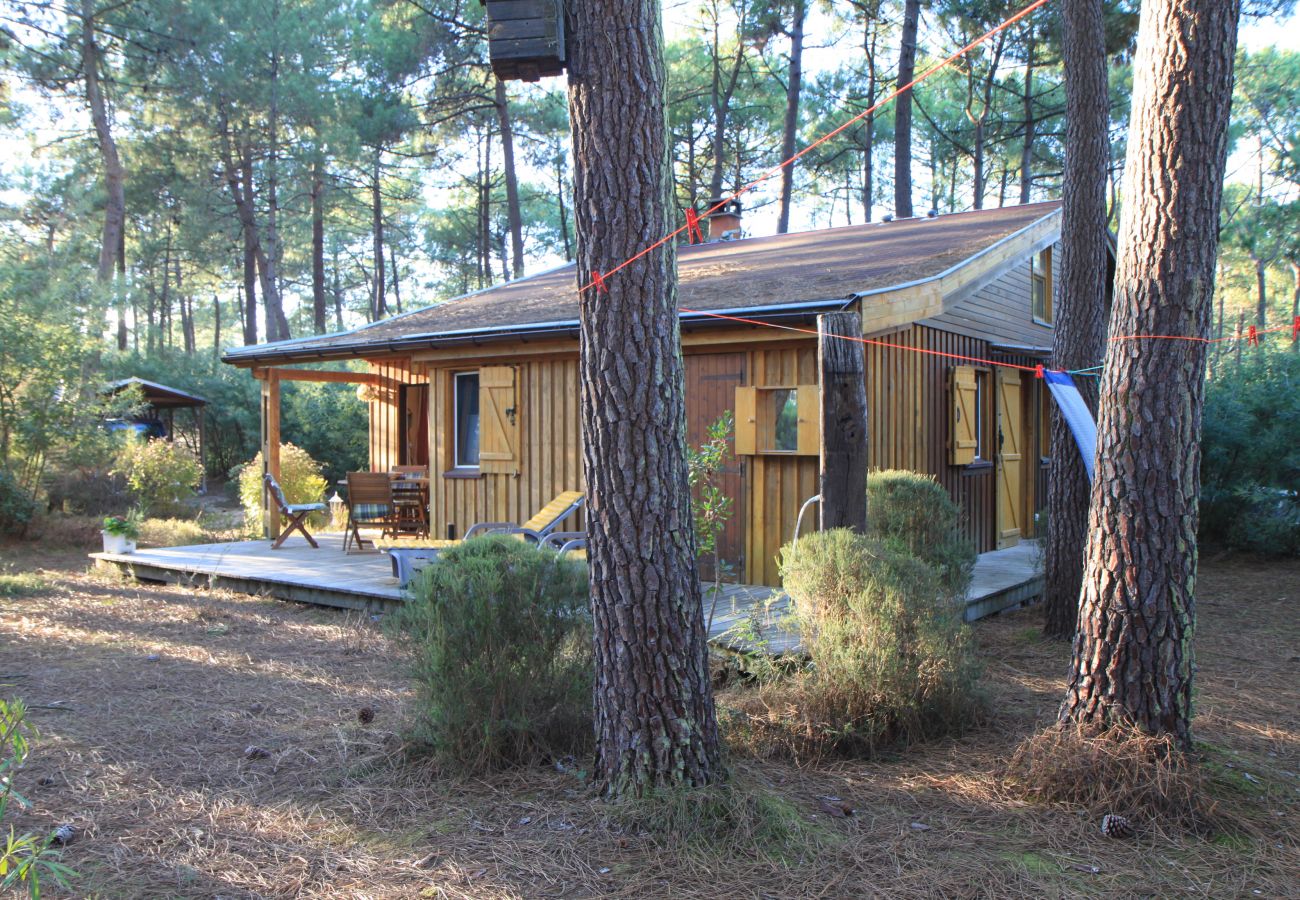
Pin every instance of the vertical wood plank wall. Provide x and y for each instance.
(386, 412)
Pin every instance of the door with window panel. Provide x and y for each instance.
(711, 382)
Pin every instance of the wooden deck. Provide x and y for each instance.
(743, 617)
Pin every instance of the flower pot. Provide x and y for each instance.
(117, 543)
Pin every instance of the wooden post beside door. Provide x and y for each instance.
(841, 369)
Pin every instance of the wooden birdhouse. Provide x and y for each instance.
(525, 38)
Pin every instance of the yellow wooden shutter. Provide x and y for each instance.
(962, 423)
(746, 421)
(809, 400)
(498, 419)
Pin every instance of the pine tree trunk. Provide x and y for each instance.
(114, 174)
(1133, 656)
(655, 722)
(513, 215)
(794, 87)
(903, 112)
(1027, 147)
(1295, 304)
(378, 297)
(1079, 309)
(1261, 292)
(319, 307)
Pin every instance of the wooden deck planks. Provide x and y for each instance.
(745, 618)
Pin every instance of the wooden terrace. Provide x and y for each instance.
(330, 577)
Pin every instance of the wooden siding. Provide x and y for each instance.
(711, 382)
(386, 410)
(1000, 312)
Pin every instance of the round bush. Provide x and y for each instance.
(912, 513)
(159, 474)
(498, 634)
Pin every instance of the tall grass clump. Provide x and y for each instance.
(498, 635)
(910, 512)
(889, 658)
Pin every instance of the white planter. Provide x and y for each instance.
(116, 543)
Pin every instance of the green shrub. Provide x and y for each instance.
(499, 639)
(912, 513)
(16, 506)
(159, 474)
(90, 490)
(890, 660)
(300, 478)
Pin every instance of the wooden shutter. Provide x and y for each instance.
(498, 412)
(962, 440)
(746, 421)
(809, 400)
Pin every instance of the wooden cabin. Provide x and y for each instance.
(484, 388)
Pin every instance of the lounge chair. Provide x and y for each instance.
(410, 556)
(370, 502)
(294, 513)
(566, 542)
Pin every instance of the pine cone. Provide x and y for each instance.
(1116, 826)
(365, 715)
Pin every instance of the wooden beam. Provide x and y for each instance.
(841, 369)
(270, 449)
(316, 375)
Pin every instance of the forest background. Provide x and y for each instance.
(178, 178)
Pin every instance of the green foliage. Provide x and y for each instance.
(498, 636)
(331, 423)
(1250, 455)
(127, 526)
(160, 474)
(300, 479)
(16, 505)
(710, 507)
(25, 859)
(890, 659)
(912, 513)
(21, 584)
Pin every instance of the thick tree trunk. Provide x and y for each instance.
(790, 129)
(655, 722)
(1133, 655)
(1079, 309)
(514, 217)
(379, 291)
(114, 173)
(903, 112)
(319, 307)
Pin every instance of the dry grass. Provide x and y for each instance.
(146, 757)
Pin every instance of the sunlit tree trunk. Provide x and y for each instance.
(514, 217)
(903, 111)
(1133, 655)
(793, 90)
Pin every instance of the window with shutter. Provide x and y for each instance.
(778, 420)
(498, 419)
(964, 420)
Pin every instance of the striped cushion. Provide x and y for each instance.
(370, 511)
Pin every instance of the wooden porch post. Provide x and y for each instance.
(270, 448)
(203, 452)
(841, 369)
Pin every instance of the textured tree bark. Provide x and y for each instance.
(1079, 313)
(842, 374)
(513, 215)
(655, 723)
(114, 173)
(1133, 656)
(790, 130)
(903, 112)
(319, 307)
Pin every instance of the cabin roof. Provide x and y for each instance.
(155, 394)
(763, 276)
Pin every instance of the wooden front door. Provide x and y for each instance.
(1010, 465)
(711, 382)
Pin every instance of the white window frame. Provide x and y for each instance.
(455, 421)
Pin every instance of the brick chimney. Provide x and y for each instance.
(724, 222)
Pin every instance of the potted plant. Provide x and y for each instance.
(121, 532)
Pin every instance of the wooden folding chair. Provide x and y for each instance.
(294, 514)
(370, 502)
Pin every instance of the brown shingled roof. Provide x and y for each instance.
(750, 274)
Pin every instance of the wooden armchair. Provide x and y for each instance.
(370, 502)
(294, 514)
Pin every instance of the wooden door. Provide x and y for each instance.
(711, 382)
(1010, 465)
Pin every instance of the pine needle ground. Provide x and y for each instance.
(153, 695)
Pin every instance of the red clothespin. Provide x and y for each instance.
(1252, 336)
(694, 233)
(598, 281)
(1295, 329)
(1038, 371)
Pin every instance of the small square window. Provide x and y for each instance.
(466, 420)
(783, 409)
